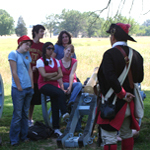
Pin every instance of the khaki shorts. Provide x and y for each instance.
(110, 137)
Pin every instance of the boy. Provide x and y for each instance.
(36, 53)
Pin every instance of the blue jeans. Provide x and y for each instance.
(19, 123)
(76, 88)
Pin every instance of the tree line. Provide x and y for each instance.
(86, 24)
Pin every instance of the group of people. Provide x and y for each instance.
(57, 65)
(35, 70)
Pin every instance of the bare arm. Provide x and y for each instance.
(46, 75)
(13, 67)
(31, 75)
(71, 77)
(60, 81)
(59, 75)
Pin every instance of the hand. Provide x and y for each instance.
(34, 68)
(129, 97)
(46, 79)
(19, 88)
(68, 90)
(65, 91)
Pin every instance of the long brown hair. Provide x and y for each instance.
(59, 42)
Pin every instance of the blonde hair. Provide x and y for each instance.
(71, 47)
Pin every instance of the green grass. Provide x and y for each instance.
(89, 53)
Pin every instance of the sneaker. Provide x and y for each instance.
(15, 144)
(65, 116)
(57, 132)
(30, 123)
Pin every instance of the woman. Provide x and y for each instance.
(68, 67)
(22, 89)
(64, 39)
(49, 73)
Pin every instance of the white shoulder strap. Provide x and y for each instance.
(121, 79)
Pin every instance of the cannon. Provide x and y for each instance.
(1, 96)
(85, 104)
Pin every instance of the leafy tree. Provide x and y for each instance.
(146, 23)
(147, 31)
(6, 23)
(119, 18)
(102, 26)
(89, 27)
(89, 24)
(141, 31)
(51, 23)
(21, 27)
(71, 20)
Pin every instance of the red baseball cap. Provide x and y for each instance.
(24, 38)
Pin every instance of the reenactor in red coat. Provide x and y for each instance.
(112, 65)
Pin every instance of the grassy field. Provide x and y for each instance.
(89, 54)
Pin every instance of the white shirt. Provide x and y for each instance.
(40, 63)
(119, 43)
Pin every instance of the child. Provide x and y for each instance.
(22, 89)
(36, 53)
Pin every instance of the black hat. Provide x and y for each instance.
(120, 31)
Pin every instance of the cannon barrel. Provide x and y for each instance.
(91, 82)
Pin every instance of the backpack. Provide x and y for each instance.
(39, 131)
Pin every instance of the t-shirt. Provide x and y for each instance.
(59, 50)
(36, 53)
(22, 61)
(66, 72)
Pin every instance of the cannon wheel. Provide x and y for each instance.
(47, 112)
(1, 96)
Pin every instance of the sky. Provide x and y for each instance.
(35, 11)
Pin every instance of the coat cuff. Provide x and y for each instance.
(121, 94)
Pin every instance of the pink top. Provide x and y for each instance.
(67, 72)
(48, 69)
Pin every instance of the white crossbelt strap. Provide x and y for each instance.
(121, 79)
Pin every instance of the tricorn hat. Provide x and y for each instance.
(120, 31)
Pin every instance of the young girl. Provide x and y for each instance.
(49, 73)
(71, 86)
(68, 67)
(22, 89)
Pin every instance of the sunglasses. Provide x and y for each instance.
(50, 48)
